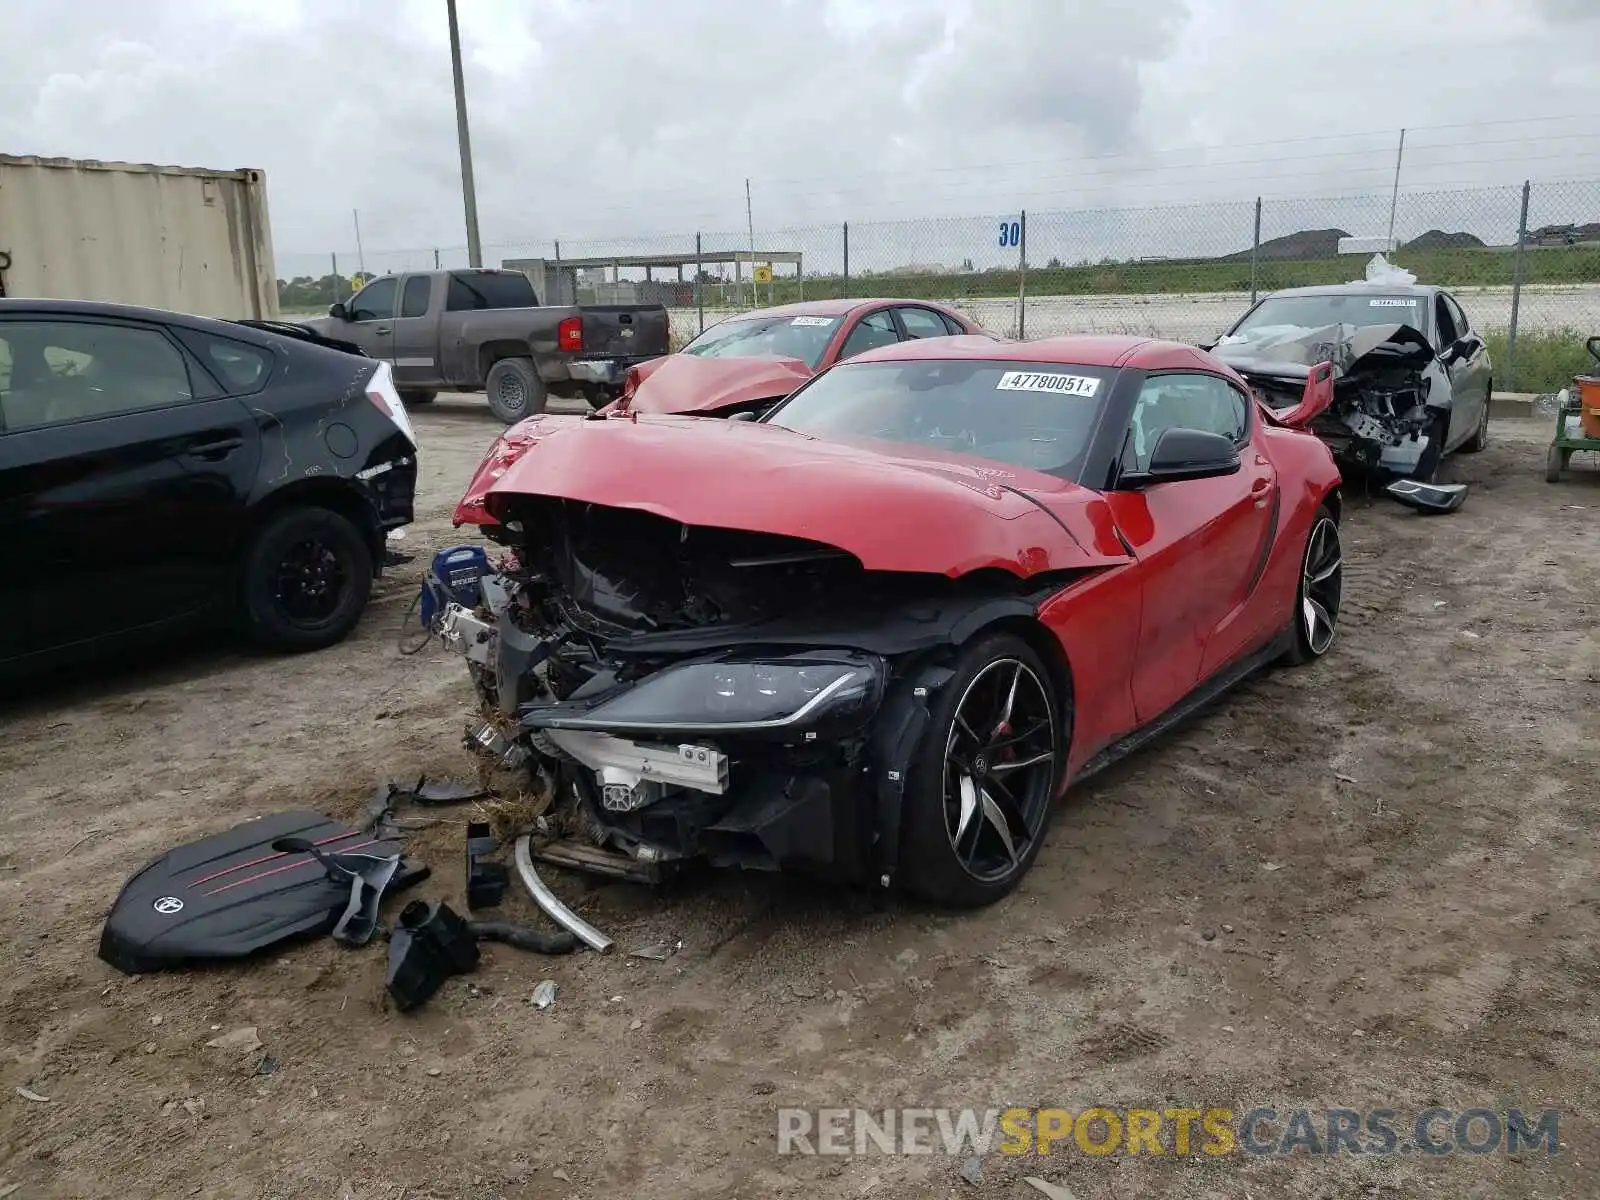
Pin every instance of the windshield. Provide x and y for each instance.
(1314, 312)
(802, 337)
(1033, 415)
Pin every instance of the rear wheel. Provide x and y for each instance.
(1316, 600)
(305, 580)
(980, 793)
(514, 390)
(1555, 462)
(412, 398)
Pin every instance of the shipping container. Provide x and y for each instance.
(179, 238)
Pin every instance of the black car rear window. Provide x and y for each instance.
(240, 368)
(470, 290)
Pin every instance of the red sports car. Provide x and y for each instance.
(749, 362)
(877, 632)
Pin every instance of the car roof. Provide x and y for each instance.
(833, 308)
(1072, 350)
(132, 312)
(1423, 290)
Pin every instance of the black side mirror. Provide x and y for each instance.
(744, 415)
(337, 311)
(1185, 454)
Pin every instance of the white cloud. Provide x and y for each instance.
(610, 116)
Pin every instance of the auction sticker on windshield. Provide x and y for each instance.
(1390, 302)
(818, 321)
(1035, 381)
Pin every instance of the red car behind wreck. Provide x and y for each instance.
(876, 632)
(749, 362)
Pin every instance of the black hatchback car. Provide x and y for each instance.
(160, 471)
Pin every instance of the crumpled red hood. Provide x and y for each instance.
(891, 507)
(688, 383)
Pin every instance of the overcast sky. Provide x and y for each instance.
(593, 118)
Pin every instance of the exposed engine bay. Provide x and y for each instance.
(1392, 396)
(694, 692)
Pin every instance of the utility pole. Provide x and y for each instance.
(469, 193)
(750, 220)
(1394, 196)
(361, 257)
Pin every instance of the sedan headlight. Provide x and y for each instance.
(788, 693)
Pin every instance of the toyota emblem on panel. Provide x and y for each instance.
(168, 905)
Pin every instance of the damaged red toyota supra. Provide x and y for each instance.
(876, 633)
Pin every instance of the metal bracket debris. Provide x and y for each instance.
(552, 906)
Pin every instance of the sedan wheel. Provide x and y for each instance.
(980, 796)
(1317, 599)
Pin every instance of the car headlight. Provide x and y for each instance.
(789, 693)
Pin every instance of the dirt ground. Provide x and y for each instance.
(1373, 883)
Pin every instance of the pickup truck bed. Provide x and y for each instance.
(484, 330)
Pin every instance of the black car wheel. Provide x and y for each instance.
(979, 796)
(514, 390)
(305, 580)
(1316, 600)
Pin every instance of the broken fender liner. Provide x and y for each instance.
(232, 895)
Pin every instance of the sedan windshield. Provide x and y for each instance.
(802, 337)
(1315, 312)
(1034, 415)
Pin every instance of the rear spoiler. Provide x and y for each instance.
(305, 334)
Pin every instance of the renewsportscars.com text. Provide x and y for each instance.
(1210, 1131)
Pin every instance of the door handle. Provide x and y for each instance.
(217, 449)
(382, 331)
(1260, 485)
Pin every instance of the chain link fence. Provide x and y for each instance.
(1523, 261)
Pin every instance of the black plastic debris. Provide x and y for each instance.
(367, 876)
(234, 894)
(523, 938)
(448, 791)
(486, 881)
(430, 945)
(1428, 497)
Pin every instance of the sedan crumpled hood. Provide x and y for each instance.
(1290, 351)
(688, 383)
(891, 508)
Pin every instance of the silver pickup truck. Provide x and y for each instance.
(485, 330)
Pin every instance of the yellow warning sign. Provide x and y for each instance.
(763, 273)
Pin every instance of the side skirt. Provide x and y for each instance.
(1208, 691)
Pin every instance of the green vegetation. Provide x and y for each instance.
(1546, 362)
(1447, 267)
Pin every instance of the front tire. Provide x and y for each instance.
(980, 792)
(1480, 436)
(305, 580)
(514, 390)
(1316, 599)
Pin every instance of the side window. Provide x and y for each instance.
(954, 326)
(414, 300)
(1184, 401)
(1446, 324)
(240, 369)
(922, 323)
(63, 371)
(870, 333)
(461, 298)
(1458, 316)
(375, 302)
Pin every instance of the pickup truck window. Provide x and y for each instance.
(472, 290)
(414, 300)
(375, 302)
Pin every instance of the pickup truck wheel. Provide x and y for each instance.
(305, 580)
(514, 390)
(411, 398)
